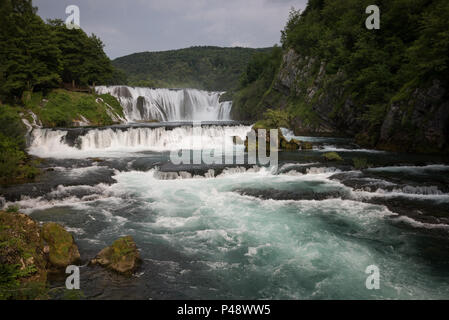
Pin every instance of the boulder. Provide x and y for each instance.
(332, 156)
(61, 247)
(122, 256)
(306, 145)
(293, 144)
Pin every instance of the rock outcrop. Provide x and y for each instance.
(416, 120)
(28, 252)
(283, 143)
(419, 123)
(61, 247)
(122, 256)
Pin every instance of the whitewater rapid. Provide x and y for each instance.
(117, 141)
(207, 237)
(146, 104)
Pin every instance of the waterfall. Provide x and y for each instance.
(74, 144)
(145, 104)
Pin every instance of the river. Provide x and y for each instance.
(303, 229)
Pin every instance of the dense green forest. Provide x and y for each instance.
(335, 69)
(37, 58)
(208, 68)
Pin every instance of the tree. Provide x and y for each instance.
(29, 56)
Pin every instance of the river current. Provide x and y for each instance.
(305, 229)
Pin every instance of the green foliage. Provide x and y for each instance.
(82, 57)
(208, 68)
(15, 165)
(301, 110)
(73, 295)
(361, 163)
(412, 43)
(11, 288)
(277, 119)
(38, 56)
(22, 273)
(12, 209)
(255, 83)
(63, 107)
(29, 56)
(9, 284)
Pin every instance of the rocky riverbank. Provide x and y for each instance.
(30, 252)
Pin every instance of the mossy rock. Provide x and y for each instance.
(332, 156)
(289, 145)
(306, 145)
(23, 262)
(62, 250)
(122, 256)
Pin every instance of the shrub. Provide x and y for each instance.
(361, 163)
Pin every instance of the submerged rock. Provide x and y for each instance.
(62, 250)
(332, 156)
(293, 144)
(122, 256)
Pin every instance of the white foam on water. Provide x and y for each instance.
(403, 193)
(63, 196)
(331, 148)
(47, 143)
(289, 248)
(418, 224)
(434, 167)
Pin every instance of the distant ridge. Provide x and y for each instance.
(202, 67)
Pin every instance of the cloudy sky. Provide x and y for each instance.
(130, 26)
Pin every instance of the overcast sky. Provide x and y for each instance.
(130, 26)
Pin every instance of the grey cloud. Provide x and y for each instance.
(153, 25)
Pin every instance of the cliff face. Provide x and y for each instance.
(321, 103)
(418, 123)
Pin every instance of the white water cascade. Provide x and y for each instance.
(145, 104)
(115, 142)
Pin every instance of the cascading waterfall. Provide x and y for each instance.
(57, 143)
(145, 104)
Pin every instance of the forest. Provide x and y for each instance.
(207, 68)
(38, 56)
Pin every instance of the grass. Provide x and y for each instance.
(60, 108)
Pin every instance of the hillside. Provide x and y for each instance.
(388, 87)
(207, 68)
